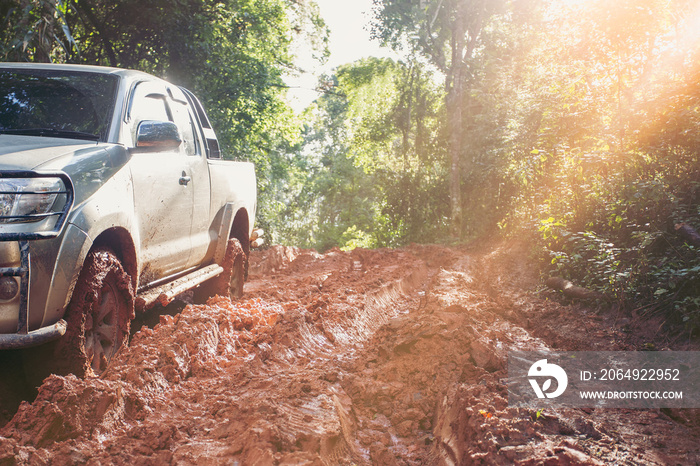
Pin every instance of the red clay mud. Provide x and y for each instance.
(362, 357)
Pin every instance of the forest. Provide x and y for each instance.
(571, 125)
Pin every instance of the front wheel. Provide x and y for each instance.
(98, 316)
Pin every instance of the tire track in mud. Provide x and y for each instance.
(367, 357)
(318, 418)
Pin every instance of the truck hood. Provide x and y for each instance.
(89, 164)
(30, 152)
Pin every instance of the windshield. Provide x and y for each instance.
(56, 103)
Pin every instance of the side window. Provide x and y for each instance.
(211, 144)
(184, 122)
(147, 103)
(197, 130)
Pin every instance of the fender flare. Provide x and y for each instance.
(229, 220)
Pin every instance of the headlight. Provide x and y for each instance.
(27, 199)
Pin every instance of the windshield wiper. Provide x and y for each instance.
(51, 132)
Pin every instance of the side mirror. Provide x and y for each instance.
(157, 135)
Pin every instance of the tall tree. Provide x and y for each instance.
(449, 33)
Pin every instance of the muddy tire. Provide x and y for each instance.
(98, 317)
(230, 282)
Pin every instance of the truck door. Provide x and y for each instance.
(197, 170)
(163, 196)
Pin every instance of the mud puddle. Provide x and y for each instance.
(367, 357)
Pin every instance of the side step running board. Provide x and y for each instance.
(163, 294)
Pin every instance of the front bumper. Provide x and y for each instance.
(34, 338)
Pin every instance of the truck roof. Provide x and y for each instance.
(124, 73)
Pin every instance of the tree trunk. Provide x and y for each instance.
(454, 84)
(688, 233)
(571, 290)
(454, 114)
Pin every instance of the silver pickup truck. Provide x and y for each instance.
(113, 197)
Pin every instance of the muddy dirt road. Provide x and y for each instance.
(369, 357)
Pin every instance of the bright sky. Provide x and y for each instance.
(348, 21)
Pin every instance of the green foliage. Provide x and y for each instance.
(37, 30)
(539, 414)
(375, 161)
(353, 238)
(616, 162)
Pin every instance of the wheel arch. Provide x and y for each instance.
(240, 229)
(119, 240)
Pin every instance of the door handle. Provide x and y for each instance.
(184, 179)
